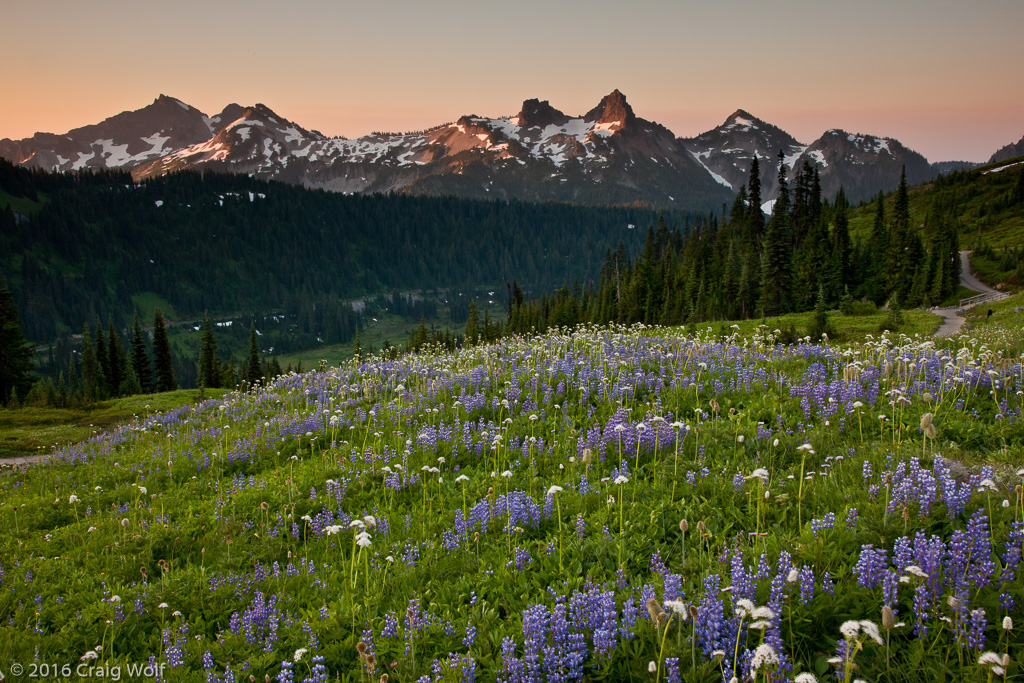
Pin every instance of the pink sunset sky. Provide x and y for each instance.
(943, 77)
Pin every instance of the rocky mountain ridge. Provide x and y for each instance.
(608, 155)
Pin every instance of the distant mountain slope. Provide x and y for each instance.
(862, 164)
(727, 151)
(122, 141)
(606, 156)
(1014, 149)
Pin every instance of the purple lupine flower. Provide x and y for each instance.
(826, 522)
(851, 519)
(871, 566)
(806, 579)
(976, 630)
(672, 670)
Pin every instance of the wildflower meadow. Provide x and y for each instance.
(601, 504)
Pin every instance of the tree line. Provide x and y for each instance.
(746, 266)
(103, 364)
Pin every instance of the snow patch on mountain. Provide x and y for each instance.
(718, 179)
(794, 156)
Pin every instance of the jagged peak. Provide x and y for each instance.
(740, 114)
(613, 108)
(539, 114)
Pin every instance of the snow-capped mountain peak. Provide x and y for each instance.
(607, 155)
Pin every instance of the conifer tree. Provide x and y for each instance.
(901, 263)
(357, 351)
(472, 333)
(755, 227)
(104, 358)
(820, 323)
(118, 362)
(15, 352)
(209, 368)
(74, 380)
(140, 358)
(162, 360)
(841, 247)
(881, 285)
(776, 270)
(229, 373)
(1017, 195)
(254, 368)
(93, 381)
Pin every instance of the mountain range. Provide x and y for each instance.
(605, 156)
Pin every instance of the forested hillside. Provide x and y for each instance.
(744, 266)
(81, 247)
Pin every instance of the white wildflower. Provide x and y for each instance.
(760, 473)
(871, 629)
(764, 655)
(850, 629)
(744, 607)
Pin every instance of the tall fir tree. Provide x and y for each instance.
(162, 360)
(902, 261)
(209, 367)
(104, 358)
(93, 382)
(254, 368)
(755, 218)
(118, 362)
(878, 269)
(777, 269)
(472, 333)
(140, 358)
(15, 351)
(837, 261)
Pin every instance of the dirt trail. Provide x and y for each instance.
(952, 318)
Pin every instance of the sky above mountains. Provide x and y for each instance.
(942, 76)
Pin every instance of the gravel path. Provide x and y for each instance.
(953, 321)
(968, 280)
(22, 460)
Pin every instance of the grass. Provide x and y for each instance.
(29, 430)
(1004, 329)
(848, 327)
(211, 523)
(523, 504)
(392, 328)
(147, 302)
(22, 205)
